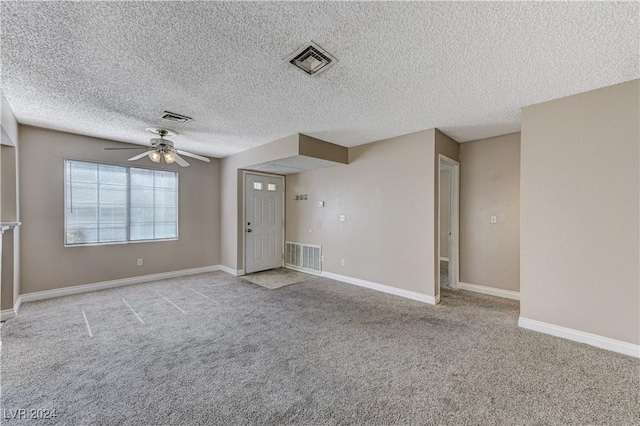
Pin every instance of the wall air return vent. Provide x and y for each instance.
(312, 59)
(303, 257)
(176, 118)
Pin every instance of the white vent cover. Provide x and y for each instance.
(177, 118)
(305, 257)
(312, 59)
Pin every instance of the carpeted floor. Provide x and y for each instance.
(214, 349)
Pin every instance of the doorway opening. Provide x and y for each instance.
(263, 221)
(448, 223)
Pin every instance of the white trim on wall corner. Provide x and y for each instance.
(491, 291)
(231, 271)
(581, 336)
(425, 298)
(10, 313)
(7, 314)
(84, 288)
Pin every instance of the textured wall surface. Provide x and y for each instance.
(47, 264)
(580, 202)
(490, 186)
(387, 196)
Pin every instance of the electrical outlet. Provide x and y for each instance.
(320, 203)
(494, 219)
(343, 218)
(139, 262)
(342, 262)
(321, 258)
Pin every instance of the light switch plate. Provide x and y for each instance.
(320, 203)
(494, 219)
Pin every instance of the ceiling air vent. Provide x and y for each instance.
(312, 59)
(176, 118)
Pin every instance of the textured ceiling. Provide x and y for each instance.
(109, 69)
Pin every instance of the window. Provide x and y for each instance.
(257, 186)
(105, 203)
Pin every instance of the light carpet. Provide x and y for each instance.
(213, 349)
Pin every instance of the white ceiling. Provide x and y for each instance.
(109, 69)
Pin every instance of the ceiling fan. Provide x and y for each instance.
(163, 148)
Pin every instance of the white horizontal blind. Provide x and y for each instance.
(153, 205)
(105, 203)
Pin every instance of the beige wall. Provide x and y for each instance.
(490, 186)
(9, 281)
(580, 203)
(312, 147)
(445, 212)
(232, 189)
(387, 195)
(9, 207)
(231, 193)
(46, 264)
(8, 186)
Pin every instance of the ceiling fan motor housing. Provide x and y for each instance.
(162, 144)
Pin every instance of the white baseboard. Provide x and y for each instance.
(231, 271)
(306, 271)
(381, 287)
(65, 291)
(444, 259)
(7, 314)
(491, 291)
(10, 313)
(581, 336)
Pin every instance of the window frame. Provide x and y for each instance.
(128, 240)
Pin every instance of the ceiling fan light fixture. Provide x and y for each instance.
(169, 157)
(155, 156)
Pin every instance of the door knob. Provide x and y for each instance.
(248, 230)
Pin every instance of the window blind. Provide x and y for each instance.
(107, 203)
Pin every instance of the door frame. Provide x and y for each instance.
(454, 212)
(244, 220)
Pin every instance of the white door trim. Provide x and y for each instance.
(244, 219)
(454, 247)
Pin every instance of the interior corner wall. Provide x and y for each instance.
(449, 148)
(47, 264)
(9, 207)
(9, 277)
(490, 186)
(386, 193)
(445, 212)
(580, 203)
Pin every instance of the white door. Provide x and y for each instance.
(264, 222)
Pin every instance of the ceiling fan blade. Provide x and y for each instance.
(196, 156)
(180, 160)
(139, 156)
(115, 149)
